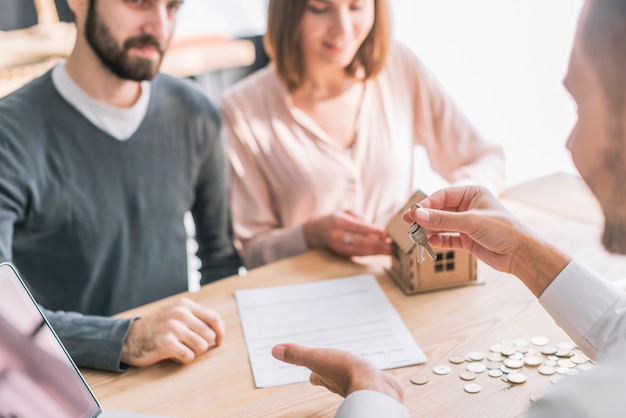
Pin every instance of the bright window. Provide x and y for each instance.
(503, 61)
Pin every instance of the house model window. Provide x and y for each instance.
(444, 262)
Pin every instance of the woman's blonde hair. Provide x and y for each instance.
(283, 42)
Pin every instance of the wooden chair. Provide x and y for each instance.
(25, 54)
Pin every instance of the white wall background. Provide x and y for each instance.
(234, 18)
(503, 61)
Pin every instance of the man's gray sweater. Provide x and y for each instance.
(94, 224)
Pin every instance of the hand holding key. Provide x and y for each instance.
(419, 237)
(472, 219)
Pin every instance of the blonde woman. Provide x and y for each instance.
(321, 141)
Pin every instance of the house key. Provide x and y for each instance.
(419, 237)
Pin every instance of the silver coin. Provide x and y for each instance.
(546, 370)
(513, 363)
(562, 370)
(495, 373)
(565, 362)
(476, 355)
(517, 356)
(579, 358)
(549, 349)
(468, 376)
(495, 357)
(517, 378)
(456, 359)
(519, 342)
(532, 361)
(566, 345)
(550, 363)
(473, 388)
(522, 349)
(495, 348)
(419, 379)
(476, 367)
(564, 352)
(492, 365)
(507, 370)
(535, 397)
(539, 341)
(441, 369)
(508, 350)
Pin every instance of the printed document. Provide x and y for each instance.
(351, 313)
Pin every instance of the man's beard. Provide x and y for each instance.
(115, 59)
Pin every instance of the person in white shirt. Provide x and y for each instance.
(471, 218)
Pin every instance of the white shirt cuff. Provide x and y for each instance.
(371, 404)
(578, 299)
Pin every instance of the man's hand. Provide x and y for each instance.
(346, 235)
(179, 332)
(472, 219)
(340, 371)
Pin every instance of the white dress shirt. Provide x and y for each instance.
(596, 394)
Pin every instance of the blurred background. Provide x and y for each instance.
(503, 62)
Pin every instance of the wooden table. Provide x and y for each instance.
(444, 323)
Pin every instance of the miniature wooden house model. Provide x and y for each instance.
(451, 268)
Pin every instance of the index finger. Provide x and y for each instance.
(211, 318)
(452, 199)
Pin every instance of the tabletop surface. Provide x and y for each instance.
(444, 323)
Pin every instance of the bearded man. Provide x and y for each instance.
(100, 160)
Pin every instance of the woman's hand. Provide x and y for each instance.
(346, 235)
